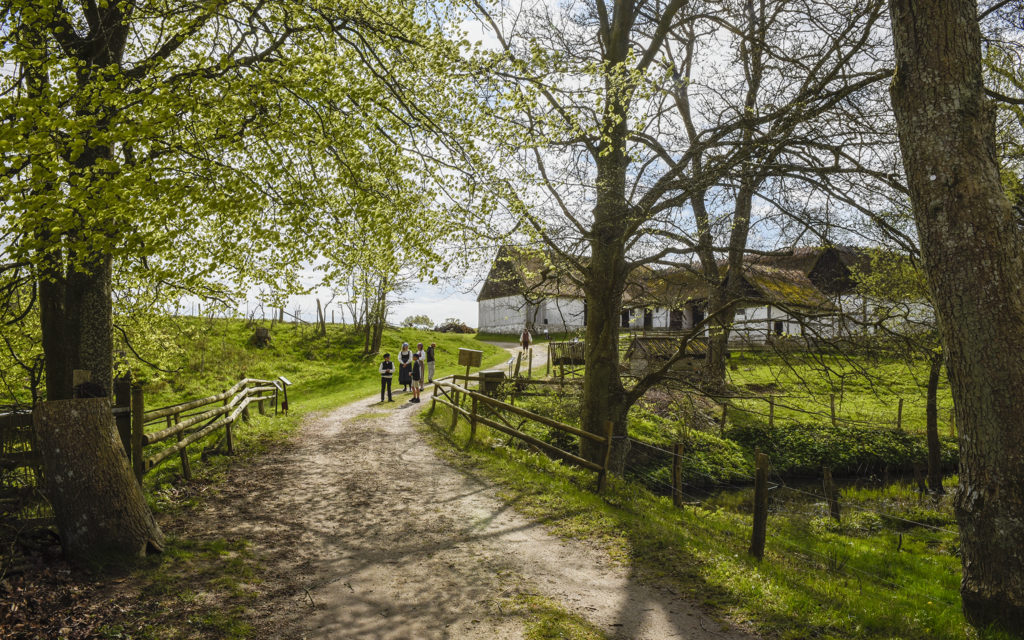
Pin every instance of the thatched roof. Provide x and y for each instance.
(522, 271)
(664, 347)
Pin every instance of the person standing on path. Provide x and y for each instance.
(421, 358)
(405, 367)
(525, 339)
(417, 377)
(430, 361)
(387, 368)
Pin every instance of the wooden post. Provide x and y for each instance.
(259, 404)
(899, 415)
(757, 538)
(138, 409)
(602, 476)
(186, 468)
(547, 371)
(831, 494)
(123, 400)
(529, 364)
(472, 422)
(519, 364)
(771, 412)
(455, 411)
(275, 400)
(433, 398)
(832, 404)
(677, 474)
(284, 405)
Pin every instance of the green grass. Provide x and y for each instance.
(867, 390)
(545, 619)
(870, 577)
(325, 371)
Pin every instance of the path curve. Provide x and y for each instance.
(365, 533)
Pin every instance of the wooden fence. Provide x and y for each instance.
(147, 445)
(486, 410)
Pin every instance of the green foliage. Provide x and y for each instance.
(848, 449)
(420, 321)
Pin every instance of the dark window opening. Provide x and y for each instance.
(675, 319)
(778, 327)
(698, 316)
(625, 318)
(648, 319)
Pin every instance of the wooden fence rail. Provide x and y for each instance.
(184, 424)
(491, 412)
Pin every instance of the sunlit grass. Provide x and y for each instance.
(868, 577)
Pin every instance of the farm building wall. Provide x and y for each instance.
(502, 315)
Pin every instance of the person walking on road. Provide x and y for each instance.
(386, 369)
(525, 339)
(430, 361)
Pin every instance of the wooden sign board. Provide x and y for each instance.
(470, 357)
(285, 380)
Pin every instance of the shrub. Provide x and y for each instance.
(803, 449)
(453, 325)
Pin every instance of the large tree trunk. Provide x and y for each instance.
(932, 426)
(77, 326)
(101, 514)
(972, 257)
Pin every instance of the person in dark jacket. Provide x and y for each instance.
(430, 361)
(405, 367)
(417, 377)
(387, 368)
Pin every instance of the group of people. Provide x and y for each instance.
(415, 370)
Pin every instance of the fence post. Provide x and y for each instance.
(123, 399)
(519, 364)
(899, 416)
(472, 422)
(757, 538)
(771, 412)
(433, 397)
(138, 411)
(455, 407)
(547, 371)
(832, 405)
(529, 364)
(677, 474)
(259, 404)
(602, 475)
(186, 468)
(831, 495)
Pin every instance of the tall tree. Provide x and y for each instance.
(629, 111)
(971, 246)
(196, 140)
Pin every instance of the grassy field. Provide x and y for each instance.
(866, 390)
(875, 575)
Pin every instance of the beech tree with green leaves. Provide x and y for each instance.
(181, 144)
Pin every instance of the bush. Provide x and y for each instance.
(454, 325)
(803, 449)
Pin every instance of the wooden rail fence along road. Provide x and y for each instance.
(488, 411)
(149, 438)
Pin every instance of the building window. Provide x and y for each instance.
(625, 318)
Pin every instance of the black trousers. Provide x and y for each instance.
(385, 383)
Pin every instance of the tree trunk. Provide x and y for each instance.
(76, 323)
(971, 248)
(102, 515)
(932, 426)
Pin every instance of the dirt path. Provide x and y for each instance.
(365, 533)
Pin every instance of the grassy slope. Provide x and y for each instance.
(326, 372)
